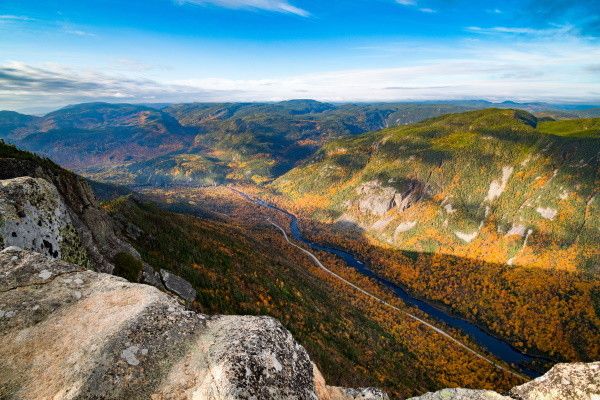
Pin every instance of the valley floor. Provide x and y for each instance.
(388, 340)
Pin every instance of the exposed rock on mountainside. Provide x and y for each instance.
(576, 381)
(466, 179)
(375, 198)
(378, 199)
(64, 205)
(33, 216)
(71, 333)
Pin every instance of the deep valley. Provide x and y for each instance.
(454, 247)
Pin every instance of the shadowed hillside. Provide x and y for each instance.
(492, 185)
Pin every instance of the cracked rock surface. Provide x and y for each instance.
(575, 381)
(87, 225)
(70, 333)
(33, 216)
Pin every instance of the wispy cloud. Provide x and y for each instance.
(557, 30)
(6, 17)
(280, 6)
(544, 69)
(50, 86)
(413, 3)
(78, 32)
(581, 13)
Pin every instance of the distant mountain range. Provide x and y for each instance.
(212, 143)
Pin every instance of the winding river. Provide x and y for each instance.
(495, 346)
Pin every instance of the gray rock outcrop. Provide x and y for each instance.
(33, 216)
(70, 333)
(178, 285)
(576, 381)
(374, 198)
(94, 229)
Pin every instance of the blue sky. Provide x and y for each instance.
(54, 53)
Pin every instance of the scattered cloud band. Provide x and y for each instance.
(280, 6)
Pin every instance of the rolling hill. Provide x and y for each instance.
(98, 135)
(210, 143)
(494, 185)
(199, 143)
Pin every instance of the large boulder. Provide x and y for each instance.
(178, 285)
(70, 333)
(33, 216)
(577, 381)
(93, 228)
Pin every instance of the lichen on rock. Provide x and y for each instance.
(35, 217)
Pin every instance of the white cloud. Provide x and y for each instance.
(280, 6)
(411, 3)
(556, 30)
(15, 18)
(49, 86)
(78, 32)
(544, 69)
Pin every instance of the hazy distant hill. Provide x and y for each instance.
(209, 143)
(99, 135)
(197, 144)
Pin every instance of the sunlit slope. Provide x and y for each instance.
(492, 185)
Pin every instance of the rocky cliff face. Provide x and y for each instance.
(34, 216)
(65, 206)
(70, 333)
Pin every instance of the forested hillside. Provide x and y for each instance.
(199, 144)
(491, 213)
(492, 185)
